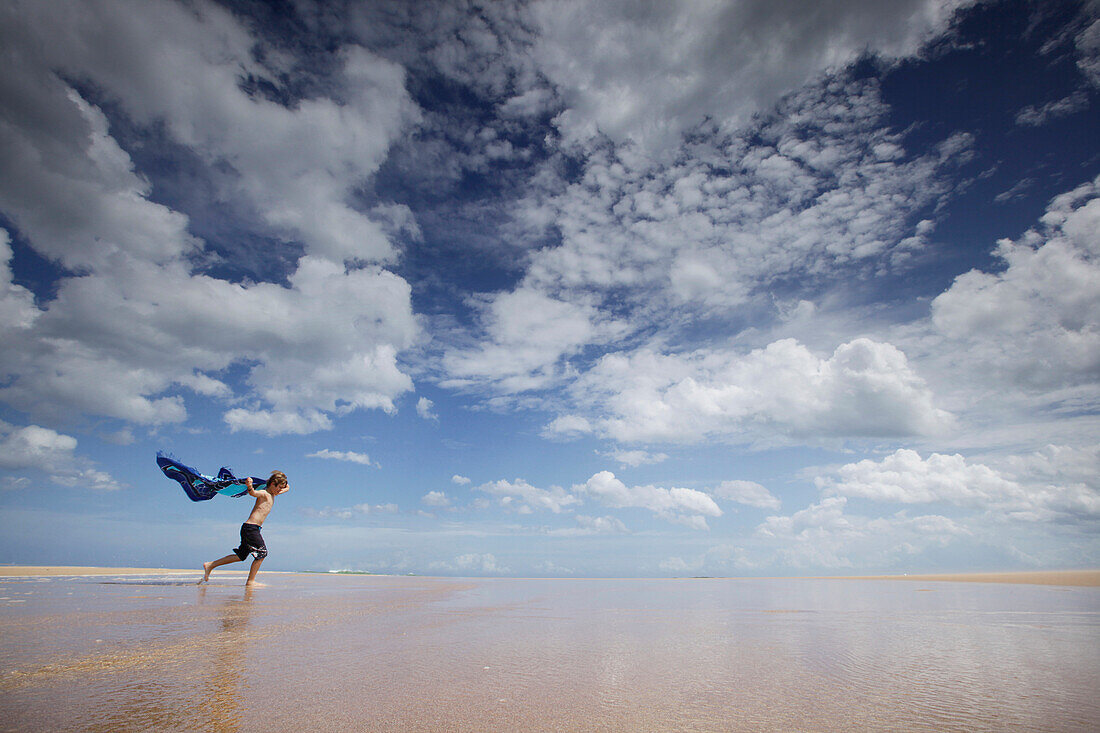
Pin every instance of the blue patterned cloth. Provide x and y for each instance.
(200, 487)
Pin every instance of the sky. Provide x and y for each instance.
(554, 288)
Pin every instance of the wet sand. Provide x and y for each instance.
(147, 649)
(17, 571)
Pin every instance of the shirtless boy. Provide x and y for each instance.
(252, 542)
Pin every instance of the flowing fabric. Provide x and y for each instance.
(199, 487)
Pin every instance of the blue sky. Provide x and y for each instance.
(559, 287)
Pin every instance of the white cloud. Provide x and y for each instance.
(1036, 116)
(685, 506)
(108, 344)
(54, 454)
(138, 320)
(569, 426)
(678, 565)
(17, 309)
(820, 185)
(34, 447)
(600, 525)
(650, 71)
(629, 457)
(473, 561)
(1087, 44)
(530, 334)
(592, 526)
(747, 492)
(460, 480)
(297, 164)
(424, 409)
(550, 567)
(821, 191)
(1061, 481)
(907, 478)
(15, 483)
(1057, 483)
(1032, 325)
(823, 535)
(864, 388)
(435, 499)
(348, 456)
(524, 498)
(351, 512)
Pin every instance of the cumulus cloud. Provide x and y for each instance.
(824, 535)
(530, 335)
(1061, 481)
(424, 409)
(1037, 116)
(678, 565)
(1087, 43)
(1032, 325)
(600, 525)
(136, 319)
(460, 480)
(296, 164)
(865, 388)
(17, 309)
(907, 478)
(649, 71)
(820, 184)
(633, 458)
(34, 447)
(813, 194)
(567, 426)
(683, 506)
(54, 454)
(471, 562)
(591, 526)
(348, 456)
(435, 499)
(524, 498)
(109, 344)
(749, 493)
(358, 510)
(1055, 484)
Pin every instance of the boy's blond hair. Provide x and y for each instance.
(278, 478)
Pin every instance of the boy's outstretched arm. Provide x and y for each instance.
(248, 485)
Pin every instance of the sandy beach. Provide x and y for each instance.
(143, 648)
(1090, 578)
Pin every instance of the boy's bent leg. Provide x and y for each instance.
(252, 571)
(208, 566)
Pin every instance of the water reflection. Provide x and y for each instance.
(221, 709)
(405, 654)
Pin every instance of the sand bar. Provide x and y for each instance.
(1088, 578)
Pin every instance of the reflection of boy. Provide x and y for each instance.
(252, 542)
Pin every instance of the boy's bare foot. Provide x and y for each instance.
(205, 572)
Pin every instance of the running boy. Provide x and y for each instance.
(252, 542)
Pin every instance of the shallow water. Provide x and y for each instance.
(373, 653)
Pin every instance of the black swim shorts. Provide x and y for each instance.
(252, 542)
